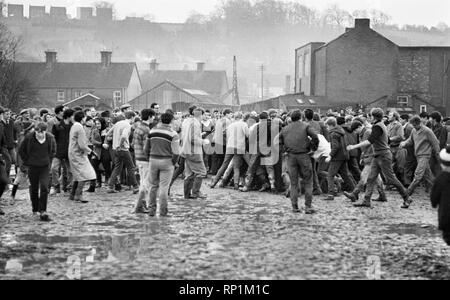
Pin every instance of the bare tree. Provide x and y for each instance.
(379, 18)
(336, 16)
(15, 87)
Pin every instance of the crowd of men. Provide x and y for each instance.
(283, 152)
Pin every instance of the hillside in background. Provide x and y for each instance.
(256, 35)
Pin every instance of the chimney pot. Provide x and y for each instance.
(50, 58)
(106, 58)
(153, 65)
(362, 23)
(200, 66)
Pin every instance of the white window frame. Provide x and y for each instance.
(117, 96)
(61, 96)
(403, 100)
(425, 108)
(78, 94)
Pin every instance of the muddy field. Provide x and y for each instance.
(231, 235)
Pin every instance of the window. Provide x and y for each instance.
(312, 101)
(402, 101)
(423, 108)
(61, 96)
(117, 95)
(307, 65)
(300, 101)
(78, 94)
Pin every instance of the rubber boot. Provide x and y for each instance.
(188, 184)
(14, 191)
(73, 190)
(197, 184)
(79, 193)
(91, 187)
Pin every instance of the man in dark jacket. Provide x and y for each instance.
(61, 132)
(296, 141)
(4, 180)
(37, 150)
(440, 194)
(441, 134)
(382, 162)
(11, 137)
(354, 155)
(338, 159)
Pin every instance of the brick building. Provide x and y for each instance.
(212, 83)
(363, 67)
(59, 82)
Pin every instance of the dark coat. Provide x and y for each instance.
(61, 131)
(440, 197)
(11, 135)
(35, 156)
(337, 142)
(352, 139)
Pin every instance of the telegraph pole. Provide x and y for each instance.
(235, 84)
(262, 81)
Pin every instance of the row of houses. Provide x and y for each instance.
(107, 84)
(359, 68)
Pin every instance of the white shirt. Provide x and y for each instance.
(122, 129)
(236, 134)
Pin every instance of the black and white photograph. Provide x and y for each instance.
(224, 145)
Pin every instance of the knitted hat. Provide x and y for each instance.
(445, 156)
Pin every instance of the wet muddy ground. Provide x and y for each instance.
(230, 235)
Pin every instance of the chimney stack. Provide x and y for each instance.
(50, 58)
(153, 66)
(288, 84)
(106, 58)
(362, 23)
(200, 66)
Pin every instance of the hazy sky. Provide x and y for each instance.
(426, 12)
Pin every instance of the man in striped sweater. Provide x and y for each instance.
(162, 147)
(142, 159)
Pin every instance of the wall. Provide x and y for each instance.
(361, 66)
(320, 72)
(48, 97)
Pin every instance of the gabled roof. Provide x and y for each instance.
(77, 75)
(200, 98)
(211, 82)
(352, 30)
(88, 95)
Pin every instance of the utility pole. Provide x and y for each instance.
(235, 84)
(262, 81)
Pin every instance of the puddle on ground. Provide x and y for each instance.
(411, 229)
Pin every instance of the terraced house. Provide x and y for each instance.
(363, 67)
(104, 84)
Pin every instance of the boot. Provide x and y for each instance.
(214, 182)
(79, 193)
(73, 190)
(295, 208)
(196, 186)
(188, 184)
(352, 196)
(309, 210)
(14, 191)
(91, 187)
(264, 188)
(364, 203)
(382, 197)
